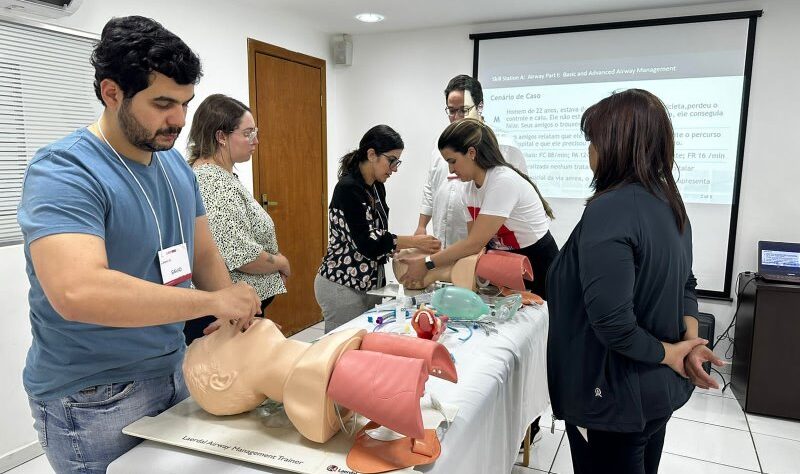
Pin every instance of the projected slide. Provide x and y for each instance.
(537, 85)
(544, 118)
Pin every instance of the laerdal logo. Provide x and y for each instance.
(335, 468)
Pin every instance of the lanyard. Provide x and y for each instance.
(169, 183)
(382, 217)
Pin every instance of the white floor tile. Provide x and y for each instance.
(319, 325)
(308, 335)
(38, 465)
(778, 455)
(563, 462)
(718, 391)
(710, 442)
(674, 464)
(774, 426)
(547, 420)
(524, 470)
(714, 410)
(544, 451)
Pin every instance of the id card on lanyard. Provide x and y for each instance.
(173, 261)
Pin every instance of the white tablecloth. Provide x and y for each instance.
(502, 388)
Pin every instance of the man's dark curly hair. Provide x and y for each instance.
(131, 48)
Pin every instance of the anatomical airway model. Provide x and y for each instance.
(381, 376)
(427, 324)
(502, 269)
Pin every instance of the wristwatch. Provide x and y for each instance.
(429, 263)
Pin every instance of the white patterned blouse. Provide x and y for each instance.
(241, 228)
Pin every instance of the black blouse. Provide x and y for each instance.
(359, 241)
(621, 284)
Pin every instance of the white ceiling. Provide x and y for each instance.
(336, 16)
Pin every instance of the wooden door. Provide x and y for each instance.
(287, 98)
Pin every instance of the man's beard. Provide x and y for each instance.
(138, 135)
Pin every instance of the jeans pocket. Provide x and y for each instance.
(40, 421)
(101, 395)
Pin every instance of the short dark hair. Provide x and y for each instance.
(131, 48)
(463, 82)
(216, 112)
(633, 136)
(381, 138)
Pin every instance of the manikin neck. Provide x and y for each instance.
(276, 367)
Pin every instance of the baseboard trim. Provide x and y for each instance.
(19, 456)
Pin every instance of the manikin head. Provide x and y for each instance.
(461, 273)
(145, 77)
(230, 372)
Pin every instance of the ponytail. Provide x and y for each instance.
(348, 163)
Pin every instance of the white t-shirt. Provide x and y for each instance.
(442, 194)
(507, 194)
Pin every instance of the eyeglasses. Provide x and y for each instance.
(394, 162)
(249, 133)
(458, 111)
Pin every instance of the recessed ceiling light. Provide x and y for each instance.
(369, 17)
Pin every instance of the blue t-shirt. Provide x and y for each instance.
(78, 185)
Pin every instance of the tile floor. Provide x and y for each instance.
(709, 435)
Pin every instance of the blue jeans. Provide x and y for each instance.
(82, 432)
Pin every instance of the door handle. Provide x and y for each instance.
(266, 202)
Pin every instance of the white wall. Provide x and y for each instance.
(219, 35)
(399, 78)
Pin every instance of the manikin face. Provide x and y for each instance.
(463, 165)
(242, 141)
(384, 164)
(152, 119)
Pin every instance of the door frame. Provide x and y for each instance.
(255, 47)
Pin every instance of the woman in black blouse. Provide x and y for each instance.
(359, 241)
(622, 302)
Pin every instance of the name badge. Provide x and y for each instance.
(174, 263)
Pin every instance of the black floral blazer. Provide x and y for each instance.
(359, 242)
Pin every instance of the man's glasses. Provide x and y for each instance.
(458, 111)
(394, 162)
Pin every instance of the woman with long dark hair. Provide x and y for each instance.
(504, 208)
(359, 241)
(622, 296)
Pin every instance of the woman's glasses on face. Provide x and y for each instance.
(249, 133)
(394, 162)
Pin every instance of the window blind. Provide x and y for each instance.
(45, 93)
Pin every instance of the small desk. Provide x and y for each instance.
(502, 388)
(765, 376)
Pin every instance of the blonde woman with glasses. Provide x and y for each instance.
(223, 134)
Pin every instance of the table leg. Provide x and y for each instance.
(526, 447)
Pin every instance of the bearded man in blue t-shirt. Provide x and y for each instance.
(115, 230)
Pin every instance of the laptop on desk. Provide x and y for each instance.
(779, 261)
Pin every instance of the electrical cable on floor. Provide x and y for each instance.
(730, 351)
